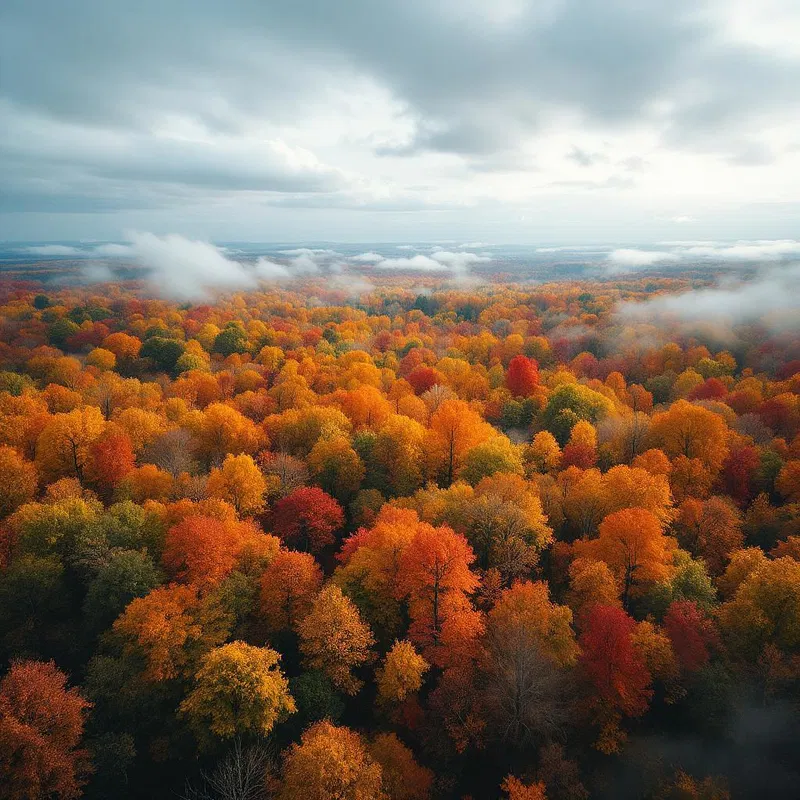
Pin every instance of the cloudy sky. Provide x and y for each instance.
(400, 120)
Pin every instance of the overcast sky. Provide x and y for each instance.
(410, 120)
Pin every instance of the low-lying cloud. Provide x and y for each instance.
(184, 269)
(456, 263)
(772, 297)
(626, 260)
(685, 253)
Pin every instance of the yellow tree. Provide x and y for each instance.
(634, 487)
(543, 454)
(334, 639)
(692, 431)
(239, 482)
(401, 674)
(238, 690)
(765, 610)
(18, 480)
(63, 446)
(337, 467)
(330, 763)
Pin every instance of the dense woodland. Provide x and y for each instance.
(426, 542)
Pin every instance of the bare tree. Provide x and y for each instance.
(171, 452)
(241, 775)
(527, 694)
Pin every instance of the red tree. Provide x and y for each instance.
(111, 458)
(691, 633)
(522, 376)
(41, 723)
(422, 378)
(610, 662)
(739, 473)
(307, 518)
(712, 389)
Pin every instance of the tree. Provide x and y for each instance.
(146, 483)
(163, 353)
(590, 583)
(692, 431)
(525, 612)
(123, 346)
(231, 340)
(581, 448)
(334, 639)
(634, 487)
(543, 453)
(220, 431)
(788, 481)
(496, 455)
(506, 525)
(522, 376)
(398, 454)
(764, 610)
(238, 776)
(307, 518)
(710, 528)
(435, 575)
(614, 669)
(517, 790)
(111, 458)
(402, 778)
(288, 588)
(569, 404)
(168, 628)
(41, 726)
(18, 480)
(330, 763)
(370, 568)
(337, 467)
(633, 545)
(529, 641)
(239, 482)
(691, 633)
(739, 473)
(203, 550)
(126, 575)
(238, 690)
(454, 430)
(63, 446)
(401, 674)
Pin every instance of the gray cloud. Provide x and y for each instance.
(164, 104)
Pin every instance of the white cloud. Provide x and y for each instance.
(183, 269)
(747, 251)
(270, 271)
(367, 258)
(630, 259)
(417, 263)
(438, 261)
(771, 297)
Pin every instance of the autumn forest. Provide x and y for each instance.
(425, 540)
